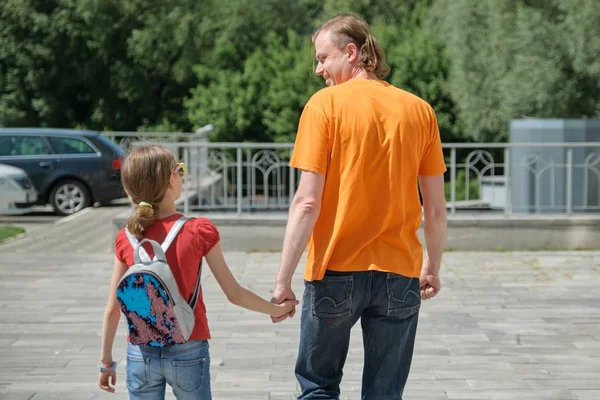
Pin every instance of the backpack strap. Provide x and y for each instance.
(145, 257)
(173, 232)
(141, 252)
(165, 245)
(194, 298)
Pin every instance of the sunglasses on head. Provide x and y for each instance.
(180, 169)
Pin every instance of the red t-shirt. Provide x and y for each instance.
(196, 238)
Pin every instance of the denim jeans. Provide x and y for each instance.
(184, 367)
(388, 307)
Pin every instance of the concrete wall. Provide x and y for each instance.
(466, 233)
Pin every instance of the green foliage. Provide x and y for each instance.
(420, 66)
(246, 66)
(263, 101)
(516, 58)
(461, 187)
(387, 11)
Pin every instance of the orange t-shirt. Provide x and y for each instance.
(195, 239)
(371, 140)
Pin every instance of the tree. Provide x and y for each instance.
(419, 65)
(94, 64)
(124, 65)
(40, 65)
(287, 65)
(517, 58)
(388, 11)
(264, 101)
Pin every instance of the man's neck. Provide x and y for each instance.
(360, 73)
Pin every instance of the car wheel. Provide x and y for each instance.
(68, 197)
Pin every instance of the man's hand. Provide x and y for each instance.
(430, 284)
(281, 294)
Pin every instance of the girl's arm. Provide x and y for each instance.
(111, 315)
(238, 295)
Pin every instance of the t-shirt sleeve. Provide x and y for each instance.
(311, 150)
(207, 235)
(432, 162)
(121, 245)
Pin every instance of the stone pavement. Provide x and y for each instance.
(505, 326)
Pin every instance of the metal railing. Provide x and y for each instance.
(554, 178)
(504, 178)
(128, 139)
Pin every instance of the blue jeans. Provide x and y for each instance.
(388, 307)
(185, 367)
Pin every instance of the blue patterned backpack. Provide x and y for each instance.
(156, 313)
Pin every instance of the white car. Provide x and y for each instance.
(17, 194)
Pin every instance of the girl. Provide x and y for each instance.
(152, 178)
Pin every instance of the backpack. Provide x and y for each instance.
(157, 314)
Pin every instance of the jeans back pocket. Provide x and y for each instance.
(189, 374)
(332, 298)
(137, 373)
(404, 296)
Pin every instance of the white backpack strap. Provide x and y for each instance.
(173, 232)
(134, 243)
(165, 245)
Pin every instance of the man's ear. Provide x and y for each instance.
(353, 52)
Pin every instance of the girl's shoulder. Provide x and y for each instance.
(121, 245)
(121, 236)
(200, 221)
(205, 232)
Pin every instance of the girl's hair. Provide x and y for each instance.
(350, 28)
(146, 174)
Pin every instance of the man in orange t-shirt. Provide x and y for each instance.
(362, 145)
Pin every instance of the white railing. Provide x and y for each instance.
(530, 177)
(128, 139)
(506, 178)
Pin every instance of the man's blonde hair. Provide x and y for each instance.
(350, 28)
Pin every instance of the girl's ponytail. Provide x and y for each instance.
(143, 216)
(146, 175)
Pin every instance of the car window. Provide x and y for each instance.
(24, 146)
(63, 145)
(6, 146)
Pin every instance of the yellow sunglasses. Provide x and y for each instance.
(180, 169)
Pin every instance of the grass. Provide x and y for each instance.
(7, 232)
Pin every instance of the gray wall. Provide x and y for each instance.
(550, 188)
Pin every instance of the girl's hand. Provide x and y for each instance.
(284, 308)
(103, 381)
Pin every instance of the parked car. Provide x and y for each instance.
(70, 169)
(17, 194)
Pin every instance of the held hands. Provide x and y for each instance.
(430, 284)
(284, 309)
(285, 298)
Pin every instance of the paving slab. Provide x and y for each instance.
(505, 326)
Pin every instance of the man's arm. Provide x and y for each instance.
(302, 217)
(434, 208)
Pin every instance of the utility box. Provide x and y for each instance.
(539, 175)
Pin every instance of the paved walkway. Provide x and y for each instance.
(506, 325)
